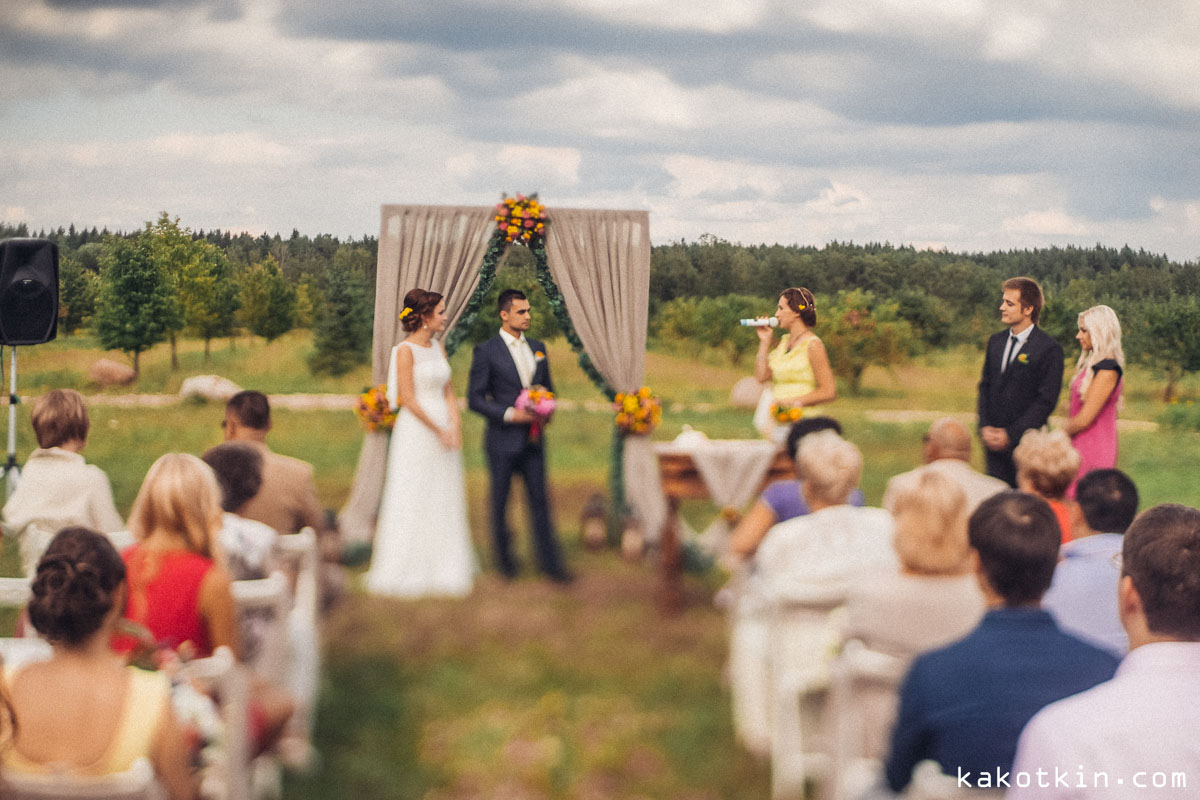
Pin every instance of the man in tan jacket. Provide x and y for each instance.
(287, 500)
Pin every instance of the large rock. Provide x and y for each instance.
(107, 372)
(208, 387)
(745, 393)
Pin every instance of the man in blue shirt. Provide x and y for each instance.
(1083, 595)
(965, 705)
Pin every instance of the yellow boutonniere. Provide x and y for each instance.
(539, 356)
(1023, 358)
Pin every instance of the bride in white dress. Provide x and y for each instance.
(422, 542)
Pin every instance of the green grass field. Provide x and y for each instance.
(524, 690)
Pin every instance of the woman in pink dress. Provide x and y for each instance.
(1096, 391)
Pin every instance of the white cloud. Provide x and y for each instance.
(1051, 222)
(559, 164)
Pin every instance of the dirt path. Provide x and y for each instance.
(337, 402)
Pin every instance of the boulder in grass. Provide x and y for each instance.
(107, 372)
(745, 393)
(208, 387)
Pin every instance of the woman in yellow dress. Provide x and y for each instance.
(798, 367)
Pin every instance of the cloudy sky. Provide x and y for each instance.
(965, 124)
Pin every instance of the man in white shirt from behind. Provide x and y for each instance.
(1133, 736)
(947, 452)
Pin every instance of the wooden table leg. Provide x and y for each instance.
(671, 593)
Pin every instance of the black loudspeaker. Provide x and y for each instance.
(28, 291)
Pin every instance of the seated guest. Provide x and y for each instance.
(824, 549)
(85, 710)
(287, 499)
(1083, 594)
(964, 705)
(57, 487)
(947, 451)
(1046, 465)
(934, 598)
(782, 500)
(248, 545)
(1133, 730)
(835, 542)
(178, 590)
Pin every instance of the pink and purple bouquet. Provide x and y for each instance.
(539, 401)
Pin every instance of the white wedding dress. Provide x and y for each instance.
(422, 542)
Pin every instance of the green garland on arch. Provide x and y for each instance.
(616, 475)
(496, 248)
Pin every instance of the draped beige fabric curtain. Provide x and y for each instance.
(600, 261)
(437, 248)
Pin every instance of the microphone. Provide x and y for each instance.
(760, 322)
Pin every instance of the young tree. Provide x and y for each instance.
(210, 296)
(76, 295)
(268, 301)
(1166, 336)
(135, 303)
(176, 255)
(859, 331)
(342, 334)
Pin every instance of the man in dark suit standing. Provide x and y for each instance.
(500, 368)
(1022, 377)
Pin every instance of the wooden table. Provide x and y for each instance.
(682, 481)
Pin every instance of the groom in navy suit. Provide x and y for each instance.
(1022, 377)
(500, 368)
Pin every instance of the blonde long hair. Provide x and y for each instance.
(179, 496)
(1102, 325)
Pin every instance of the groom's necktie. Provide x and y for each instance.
(523, 358)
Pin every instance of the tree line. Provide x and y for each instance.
(138, 289)
(877, 303)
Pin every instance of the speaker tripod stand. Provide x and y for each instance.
(12, 472)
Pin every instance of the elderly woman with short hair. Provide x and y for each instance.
(822, 552)
(1046, 465)
(934, 598)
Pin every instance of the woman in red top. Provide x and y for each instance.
(178, 590)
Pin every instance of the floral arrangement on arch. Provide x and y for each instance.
(373, 409)
(521, 218)
(786, 414)
(638, 412)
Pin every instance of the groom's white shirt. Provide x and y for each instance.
(522, 356)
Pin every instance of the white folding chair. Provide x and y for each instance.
(801, 639)
(300, 558)
(16, 593)
(22, 650)
(861, 710)
(228, 680)
(138, 783)
(262, 606)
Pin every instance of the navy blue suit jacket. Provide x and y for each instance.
(965, 705)
(493, 386)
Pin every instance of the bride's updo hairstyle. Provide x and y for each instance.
(76, 585)
(418, 304)
(803, 303)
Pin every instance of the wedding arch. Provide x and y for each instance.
(595, 268)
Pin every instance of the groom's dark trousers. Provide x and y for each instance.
(492, 388)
